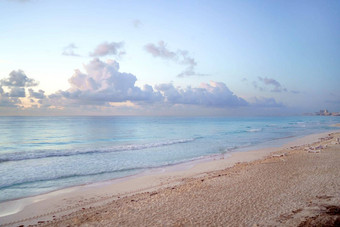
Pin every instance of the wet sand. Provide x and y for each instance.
(291, 186)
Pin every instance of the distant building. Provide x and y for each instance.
(325, 112)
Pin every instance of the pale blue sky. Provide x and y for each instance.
(286, 50)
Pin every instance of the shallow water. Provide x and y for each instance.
(41, 154)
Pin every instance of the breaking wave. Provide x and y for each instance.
(18, 156)
(255, 130)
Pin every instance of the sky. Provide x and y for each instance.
(229, 58)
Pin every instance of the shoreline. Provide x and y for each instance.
(187, 164)
(65, 201)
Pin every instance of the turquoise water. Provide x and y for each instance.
(41, 154)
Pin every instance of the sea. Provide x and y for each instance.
(43, 154)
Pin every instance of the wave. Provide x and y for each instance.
(18, 156)
(242, 131)
(65, 176)
(254, 130)
(230, 149)
(49, 177)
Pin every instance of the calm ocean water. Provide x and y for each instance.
(41, 154)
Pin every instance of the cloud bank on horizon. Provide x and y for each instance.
(103, 85)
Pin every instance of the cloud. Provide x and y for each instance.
(18, 79)
(17, 92)
(102, 87)
(275, 86)
(106, 48)
(215, 94)
(180, 57)
(272, 82)
(14, 87)
(264, 102)
(38, 95)
(69, 50)
(160, 51)
(254, 83)
(8, 102)
(102, 82)
(21, 1)
(137, 23)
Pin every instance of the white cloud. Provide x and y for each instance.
(215, 94)
(180, 57)
(69, 50)
(272, 82)
(102, 82)
(160, 51)
(106, 48)
(101, 86)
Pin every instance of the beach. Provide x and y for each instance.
(297, 184)
(179, 113)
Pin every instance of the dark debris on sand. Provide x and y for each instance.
(331, 218)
